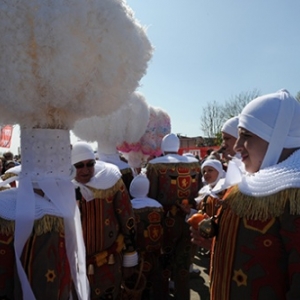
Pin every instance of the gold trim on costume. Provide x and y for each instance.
(263, 208)
(41, 226)
(103, 194)
(157, 167)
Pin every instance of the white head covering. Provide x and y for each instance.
(139, 186)
(216, 164)
(170, 143)
(81, 151)
(231, 127)
(275, 119)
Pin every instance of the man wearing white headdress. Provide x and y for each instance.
(108, 224)
(174, 182)
(149, 218)
(256, 254)
(229, 136)
(43, 254)
(60, 61)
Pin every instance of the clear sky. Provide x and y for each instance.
(212, 50)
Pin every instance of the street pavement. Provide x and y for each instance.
(199, 285)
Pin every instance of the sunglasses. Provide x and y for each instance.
(81, 165)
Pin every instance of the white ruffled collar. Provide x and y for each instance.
(273, 179)
(204, 191)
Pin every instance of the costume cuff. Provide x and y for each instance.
(130, 259)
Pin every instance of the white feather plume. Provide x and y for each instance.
(149, 145)
(61, 60)
(128, 123)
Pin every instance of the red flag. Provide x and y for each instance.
(5, 136)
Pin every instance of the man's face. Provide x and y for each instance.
(85, 170)
(228, 142)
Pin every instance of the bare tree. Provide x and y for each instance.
(214, 115)
(211, 119)
(235, 104)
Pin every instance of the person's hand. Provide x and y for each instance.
(196, 218)
(198, 240)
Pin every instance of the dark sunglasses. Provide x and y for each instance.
(81, 165)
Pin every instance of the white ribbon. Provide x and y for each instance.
(25, 210)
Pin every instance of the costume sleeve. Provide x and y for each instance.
(125, 215)
(290, 232)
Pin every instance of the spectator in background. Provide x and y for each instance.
(8, 156)
(10, 165)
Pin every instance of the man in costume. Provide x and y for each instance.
(229, 135)
(41, 245)
(174, 183)
(107, 219)
(149, 219)
(256, 253)
(68, 63)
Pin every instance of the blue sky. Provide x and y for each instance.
(212, 50)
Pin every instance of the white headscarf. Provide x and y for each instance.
(170, 143)
(207, 189)
(216, 164)
(275, 119)
(231, 127)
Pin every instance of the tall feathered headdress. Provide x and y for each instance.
(62, 61)
(158, 126)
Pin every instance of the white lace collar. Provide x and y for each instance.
(273, 179)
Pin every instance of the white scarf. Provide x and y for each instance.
(106, 176)
(265, 182)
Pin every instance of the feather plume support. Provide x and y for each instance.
(61, 60)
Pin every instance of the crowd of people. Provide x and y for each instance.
(137, 234)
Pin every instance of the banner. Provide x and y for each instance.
(5, 136)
